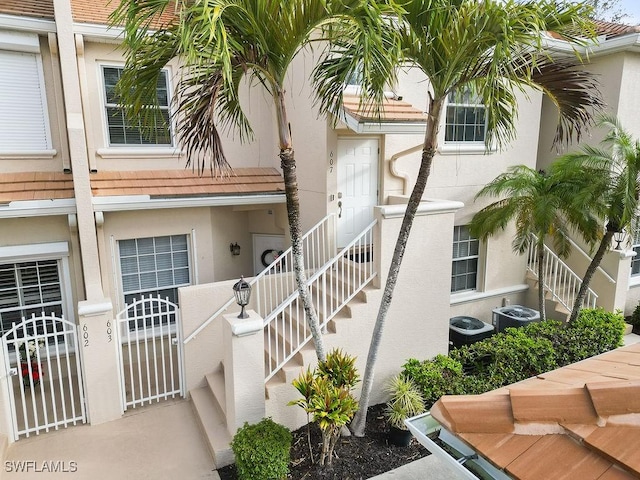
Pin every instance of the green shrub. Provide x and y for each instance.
(406, 401)
(326, 395)
(635, 316)
(262, 451)
(436, 377)
(516, 354)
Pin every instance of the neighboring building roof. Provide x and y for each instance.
(30, 8)
(154, 183)
(395, 116)
(611, 30)
(92, 11)
(581, 421)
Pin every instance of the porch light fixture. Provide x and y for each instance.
(242, 292)
(234, 248)
(619, 238)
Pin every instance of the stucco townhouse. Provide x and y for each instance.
(117, 263)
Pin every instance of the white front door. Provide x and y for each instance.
(357, 186)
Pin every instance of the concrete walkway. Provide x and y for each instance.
(157, 442)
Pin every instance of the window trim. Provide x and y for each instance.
(58, 251)
(634, 279)
(468, 257)
(29, 44)
(115, 150)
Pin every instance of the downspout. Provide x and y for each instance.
(404, 176)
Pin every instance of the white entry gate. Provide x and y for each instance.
(150, 352)
(43, 375)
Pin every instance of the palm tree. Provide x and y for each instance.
(494, 49)
(615, 173)
(223, 42)
(541, 204)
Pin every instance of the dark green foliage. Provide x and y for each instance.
(262, 451)
(635, 317)
(516, 354)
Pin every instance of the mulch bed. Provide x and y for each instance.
(355, 458)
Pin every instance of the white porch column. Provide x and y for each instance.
(98, 344)
(243, 370)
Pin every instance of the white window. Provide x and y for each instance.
(24, 121)
(466, 120)
(120, 131)
(635, 239)
(464, 271)
(154, 266)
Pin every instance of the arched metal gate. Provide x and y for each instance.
(43, 375)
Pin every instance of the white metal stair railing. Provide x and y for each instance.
(335, 284)
(276, 283)
(559, 279)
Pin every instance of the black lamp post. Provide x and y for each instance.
(619, 238)
(242, 292)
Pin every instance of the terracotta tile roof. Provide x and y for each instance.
(578, 422)
(30, 8)
(392, 111)
(155, 183)
(185, 183)
(98, 11)
(611, 30)
(35, 186)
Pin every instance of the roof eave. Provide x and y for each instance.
(371, 126)
(146, 202)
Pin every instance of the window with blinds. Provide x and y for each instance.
(29, 288)
(464, 271)
(635, 245)
(24, 122)
(154, 266)
(120, 129)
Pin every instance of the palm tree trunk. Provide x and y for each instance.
(428, 152)
(541, 299)
(588, 275)
(288, 164)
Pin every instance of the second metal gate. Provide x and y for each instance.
(150, 352)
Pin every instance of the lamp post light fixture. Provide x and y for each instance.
(234, 248)
(619, 238)
(242, 292)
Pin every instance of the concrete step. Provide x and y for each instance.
(213, 426)
(215, 382)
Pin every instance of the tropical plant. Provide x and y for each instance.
(543, 205)
(406, 401)
(327, 396)
(614, 170)
(221, 43)
(493, 48)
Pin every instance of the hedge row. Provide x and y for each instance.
(516, 354)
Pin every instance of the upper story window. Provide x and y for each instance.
(635, 245)
(120, 130)
(466, 120)
(464, 269)
(24, 119)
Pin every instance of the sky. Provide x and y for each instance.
(632, 7)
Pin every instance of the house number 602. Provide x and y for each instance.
(85, 335)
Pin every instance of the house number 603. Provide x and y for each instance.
(109, 331)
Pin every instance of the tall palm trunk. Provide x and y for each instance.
(591, 269)
(428, 152)
(541, 300)
(288, 164)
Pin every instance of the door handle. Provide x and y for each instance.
(340, 209)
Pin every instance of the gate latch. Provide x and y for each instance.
(13, 372)
(174, 341)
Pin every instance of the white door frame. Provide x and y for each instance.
(355, 216)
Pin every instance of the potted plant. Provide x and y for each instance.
(28, 358)
(406, 402)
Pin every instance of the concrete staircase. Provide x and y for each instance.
(560, 311)
(209, 401)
